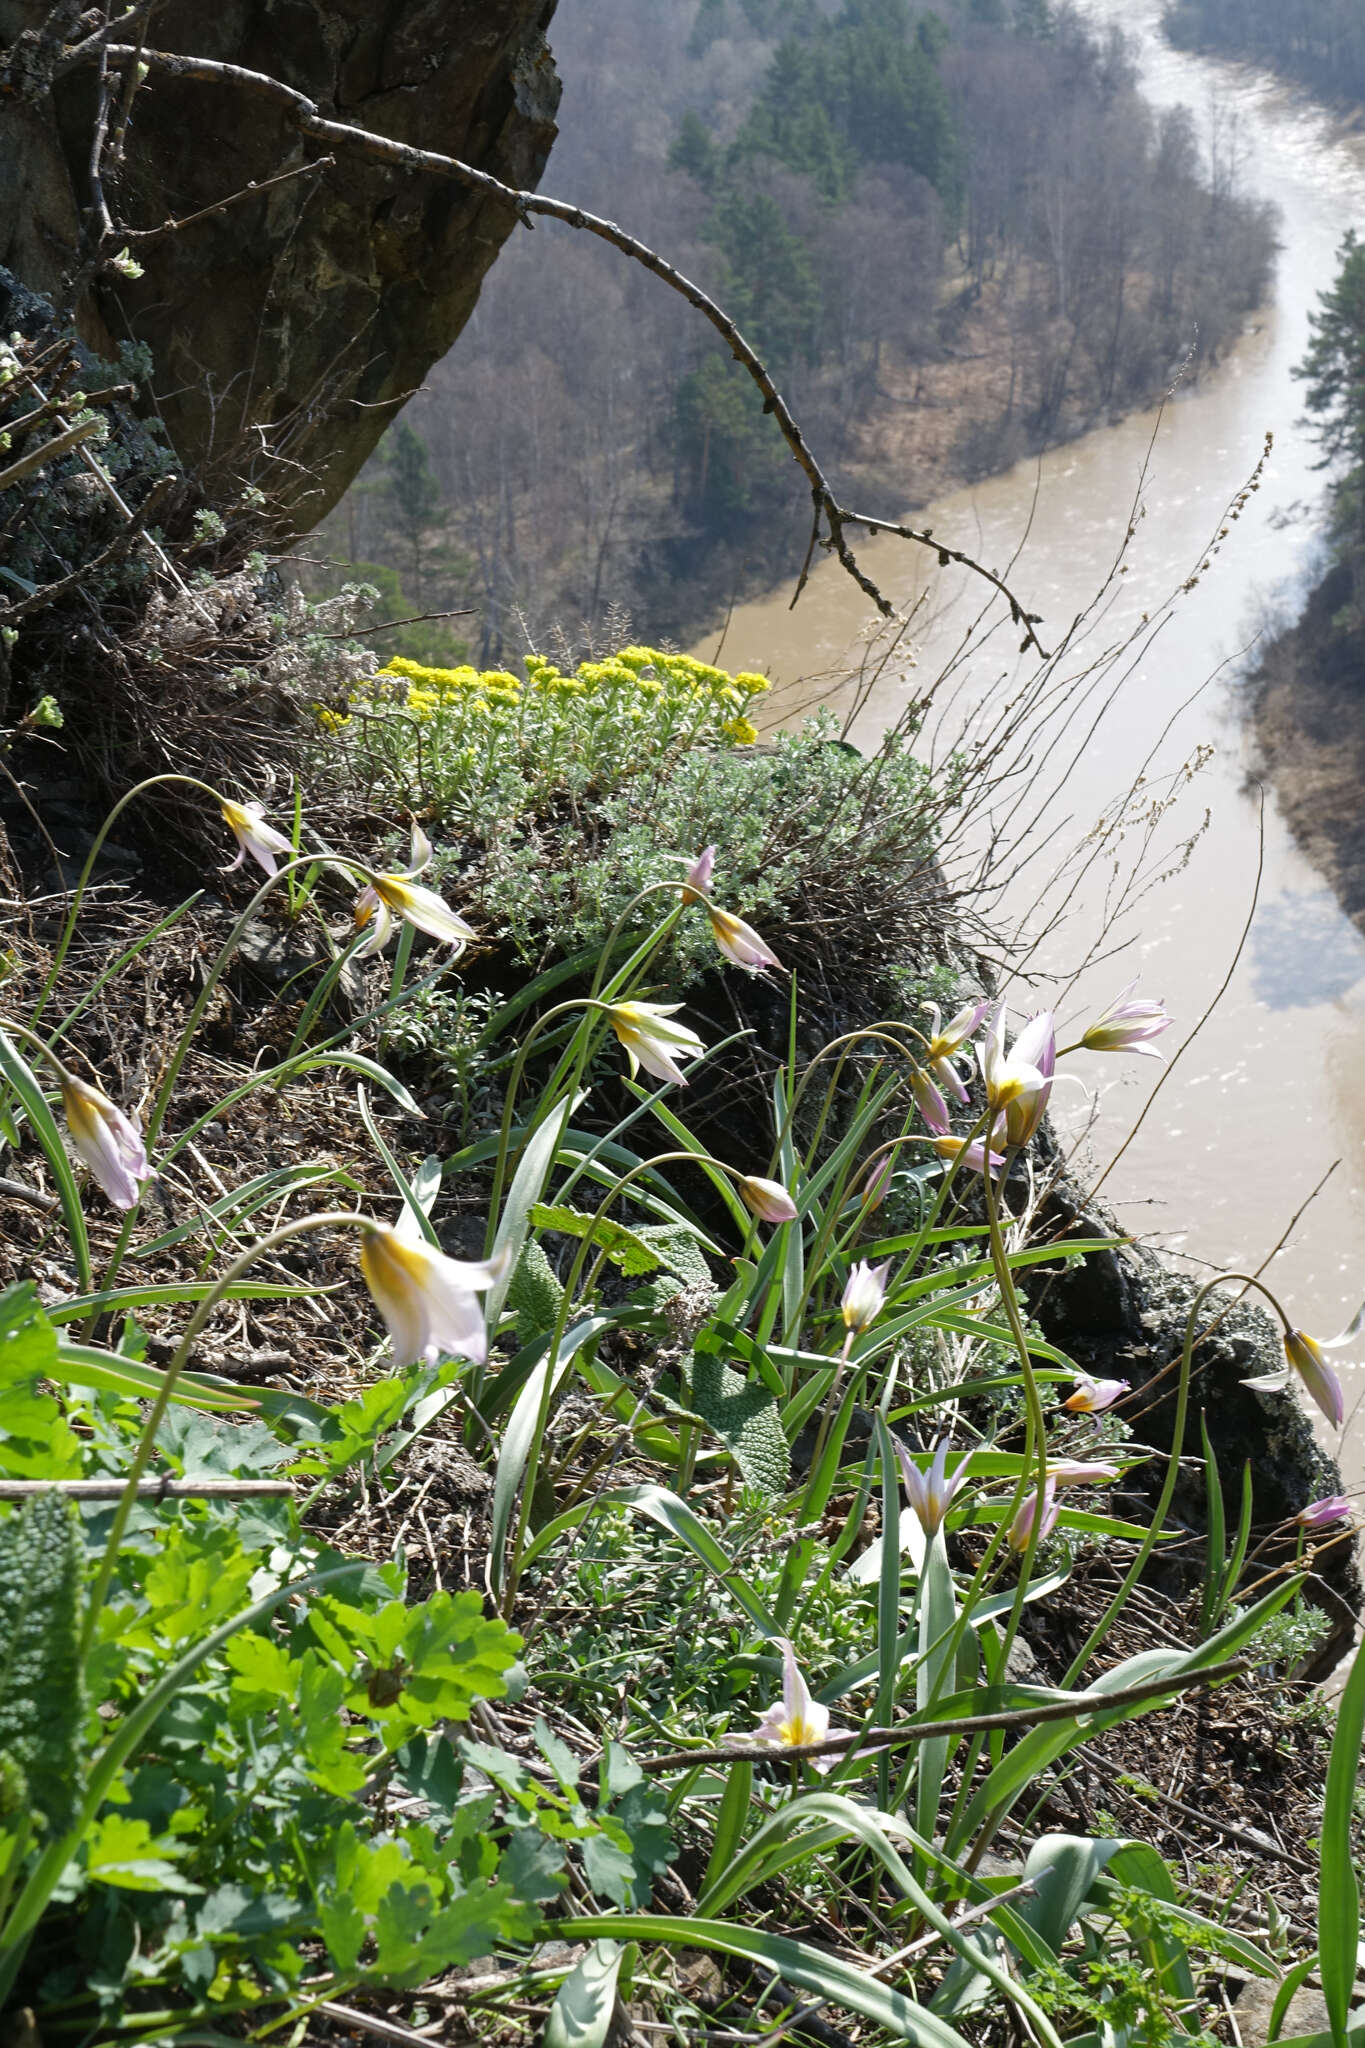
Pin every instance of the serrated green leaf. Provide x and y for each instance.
(42, 1695)
(626, 1249)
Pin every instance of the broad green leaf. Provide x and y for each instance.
(1338, 1886)
(581, 2014)
(42, 1696)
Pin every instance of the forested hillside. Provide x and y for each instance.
(1321, 42)
(955, 234)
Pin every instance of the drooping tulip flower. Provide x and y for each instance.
(767, 1199)
(1319, 1380)
(947, 1039)
(1320, 1514)
(652, 1041)
(1080, 1472)
(1128, 1026)
(697, 881)
(109, 1142)
(796, 1719)
(740, 942)
(971, 1152)
(864, 1294)
(1018, 1084)
(429, 1302)
(929, 1102)
(247, 824)
(1021, 1528)
(399, 895)
(878, 1181)
(931, 1493)
(1092, 1397)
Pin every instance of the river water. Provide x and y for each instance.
(1272, 1089)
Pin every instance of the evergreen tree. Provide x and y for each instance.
(694, 151)
(770, 282)
(412, 493)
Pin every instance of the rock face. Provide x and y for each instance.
(286, 331)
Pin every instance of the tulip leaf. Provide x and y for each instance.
(1339, 1890)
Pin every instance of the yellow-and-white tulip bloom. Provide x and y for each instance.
(796, 1719)
(1019, 1083)
(931, 1493)
(399, 895)
(108, 1141)
(247, 824)
(740, 942)
(429, 1302)
(864, 1293)
(652, 1040)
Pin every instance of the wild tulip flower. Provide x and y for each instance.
(1080, 1472)
(740, 942)
(399, 895)
(108, 1141)
(972, 1153)
(652, 1041)
(1018, 1085)
(929, 1102)
(767, 1199)
(796, 1719)
(948, 1039)
(864, 1294)
(1320, 1514)
(247, 824)
(1319, 1380)
(931, 1493)
(1021, 1528)
(428, 1301)
(697, 881)
(1092, 1397)
(1127, 1026)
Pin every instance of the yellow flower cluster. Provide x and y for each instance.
(629, 682)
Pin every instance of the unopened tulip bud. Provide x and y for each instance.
(1320, 1514)
(1021, 1528)
(768, 1199)
(697, 880)
(1092, 1397)
(740, 942)
(864, 1294)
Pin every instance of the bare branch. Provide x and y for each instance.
(836, 518)
(248, 191)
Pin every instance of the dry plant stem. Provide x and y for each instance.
(841, 1746)
(1182, 1401)
(827, 512)
(347, 1219)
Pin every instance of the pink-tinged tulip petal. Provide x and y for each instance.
(697, 880)
(797, 1719)
(108, 1142)
(878, 1180)
(972, 1154)
(929, 1103)
(740, 942)
(1128, 1025)
(1319, 1380)
(1321, 1514)
(247, 825)
(1021, 1528)
(931, 1493)
(1080, 1472)
(428, 1301)
(652, 1041)
(864, 1294)
(399, 895)
(1092, 1397)
(948, 1039)
(767, 1199)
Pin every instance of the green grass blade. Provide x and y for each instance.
(27, 1087)
(1338, 1889)
(1215, 1555)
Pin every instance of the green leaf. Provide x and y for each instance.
(1338, 1887)
(36, 1441)
(42, 1692)
(22, 1079)
(745, 1418)
(122, 1851)
(528, 1185)
(626, 1249)
(581, 2014)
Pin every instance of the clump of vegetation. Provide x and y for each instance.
(281, 1731)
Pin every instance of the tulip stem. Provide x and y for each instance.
(142, 1457)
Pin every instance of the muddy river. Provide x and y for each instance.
(1271, 1090)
